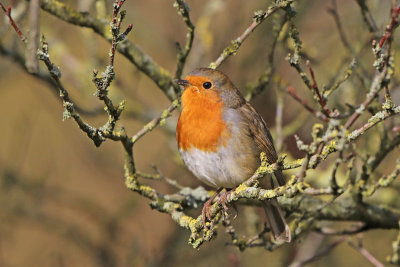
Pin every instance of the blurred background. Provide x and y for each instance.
(64, 202)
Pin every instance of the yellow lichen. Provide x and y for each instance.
(241, 188)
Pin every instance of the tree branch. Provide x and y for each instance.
(141, 60)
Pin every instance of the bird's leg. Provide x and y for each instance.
(206, 208)
(222, 200)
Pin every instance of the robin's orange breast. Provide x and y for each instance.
(201, 124)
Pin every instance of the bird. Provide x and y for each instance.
(220, 137)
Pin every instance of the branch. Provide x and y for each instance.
(376, 86)
(34, 35)
(258, 18)
(102, 83)
(348, 72)
(292, 92)
(378, 117)
(294, 61)
(183, 10)
(395, 257)
(384, 181)
(159, 176)
(13, 24)
(359, 247)
(265, 78)
(141, 60)
(70, 111)
(334, 12)
(367, 16)
(395, 12)
(156, 121)
(317, 95)
(319, 253)
(297, 196)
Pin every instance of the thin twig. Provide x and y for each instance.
(70, 111)
(103, 83)
(328, 231)
(347, 74)
(159, 176)
(334, 12)
(265, 78)
(395, 12)
(359, 247)
(12, 22)
(31, 61)
(292, 92)
(375, 88)
(316, 92)
(378, 117)
(395, 257)
(258, 19)
(319, 254)
(141, 60)
(384, 181)
(183, 10)
(156, 121)
(278, 122)
(367, 16)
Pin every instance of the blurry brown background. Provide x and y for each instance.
(63, 202)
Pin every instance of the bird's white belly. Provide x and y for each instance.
(221, 168)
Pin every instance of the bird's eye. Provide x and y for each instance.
(207, 85)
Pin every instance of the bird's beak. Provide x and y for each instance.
(184, 83)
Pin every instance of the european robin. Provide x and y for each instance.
(220, 137)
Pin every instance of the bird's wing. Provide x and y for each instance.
(259, 131)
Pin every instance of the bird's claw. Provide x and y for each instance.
(222, 201)
(206, 213)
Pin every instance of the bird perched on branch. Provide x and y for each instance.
(220, 137)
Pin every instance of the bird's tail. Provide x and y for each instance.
(280, 229)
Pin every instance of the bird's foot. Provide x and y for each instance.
(222, 201)
(206, 213)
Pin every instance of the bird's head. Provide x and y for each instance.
(209, 85)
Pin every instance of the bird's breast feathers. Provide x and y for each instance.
(216, 149)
